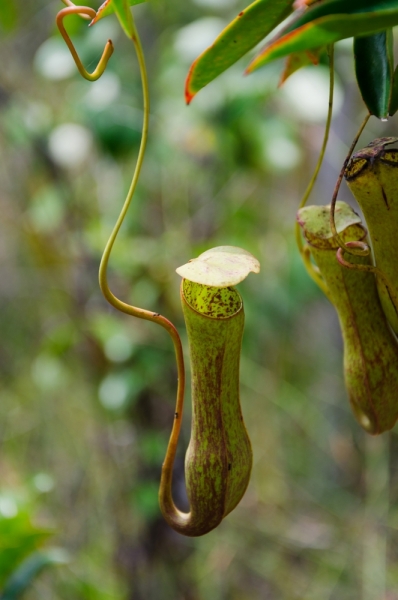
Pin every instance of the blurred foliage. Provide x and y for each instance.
(87, 395)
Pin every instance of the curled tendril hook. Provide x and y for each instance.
(69, 3)
(167, 468)
(108, 50)
(357, 267)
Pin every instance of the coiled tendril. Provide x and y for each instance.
(87, 12)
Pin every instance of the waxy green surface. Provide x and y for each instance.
(374, 68)
(373, 179)
(219, 457)
(370, 347)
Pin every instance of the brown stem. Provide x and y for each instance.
(360, 249)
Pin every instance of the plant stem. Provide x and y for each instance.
(375, 517)
(325, 137)
(365, 250)
(307, 263)
(119, 304)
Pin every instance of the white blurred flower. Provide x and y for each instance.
(113, 392)
(282, 153)
(191, 40)
(8, 507)
(118, 347)
(214, 4)
(43, 482)
(104, 91)
(306, 93)
(69, 145)
(54, 61)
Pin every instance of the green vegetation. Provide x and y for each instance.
(88, 394)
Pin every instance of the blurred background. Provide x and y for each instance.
(87, 394)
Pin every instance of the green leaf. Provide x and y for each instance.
(374, 70)
(108, 8)
(328, 23)
(29, 569)
(240, 36)
(297, 60)
(8, 15)
(19, 537)
(339, 7)
(123, 13)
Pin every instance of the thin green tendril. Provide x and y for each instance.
(312, 271)
(103, 280)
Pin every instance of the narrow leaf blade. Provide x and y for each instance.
(323, 32)
(240, 36)
(374, 67)
(123, 13)
(296, 61)
(328, 8)
(29, 569)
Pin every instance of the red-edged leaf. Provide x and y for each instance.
(296, 61)
(108, 8)
(247, 30)
(302, 3)
(328, 22)
(123, 13)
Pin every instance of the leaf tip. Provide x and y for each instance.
(189, 94)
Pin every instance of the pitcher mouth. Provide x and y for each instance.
(212, 302)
